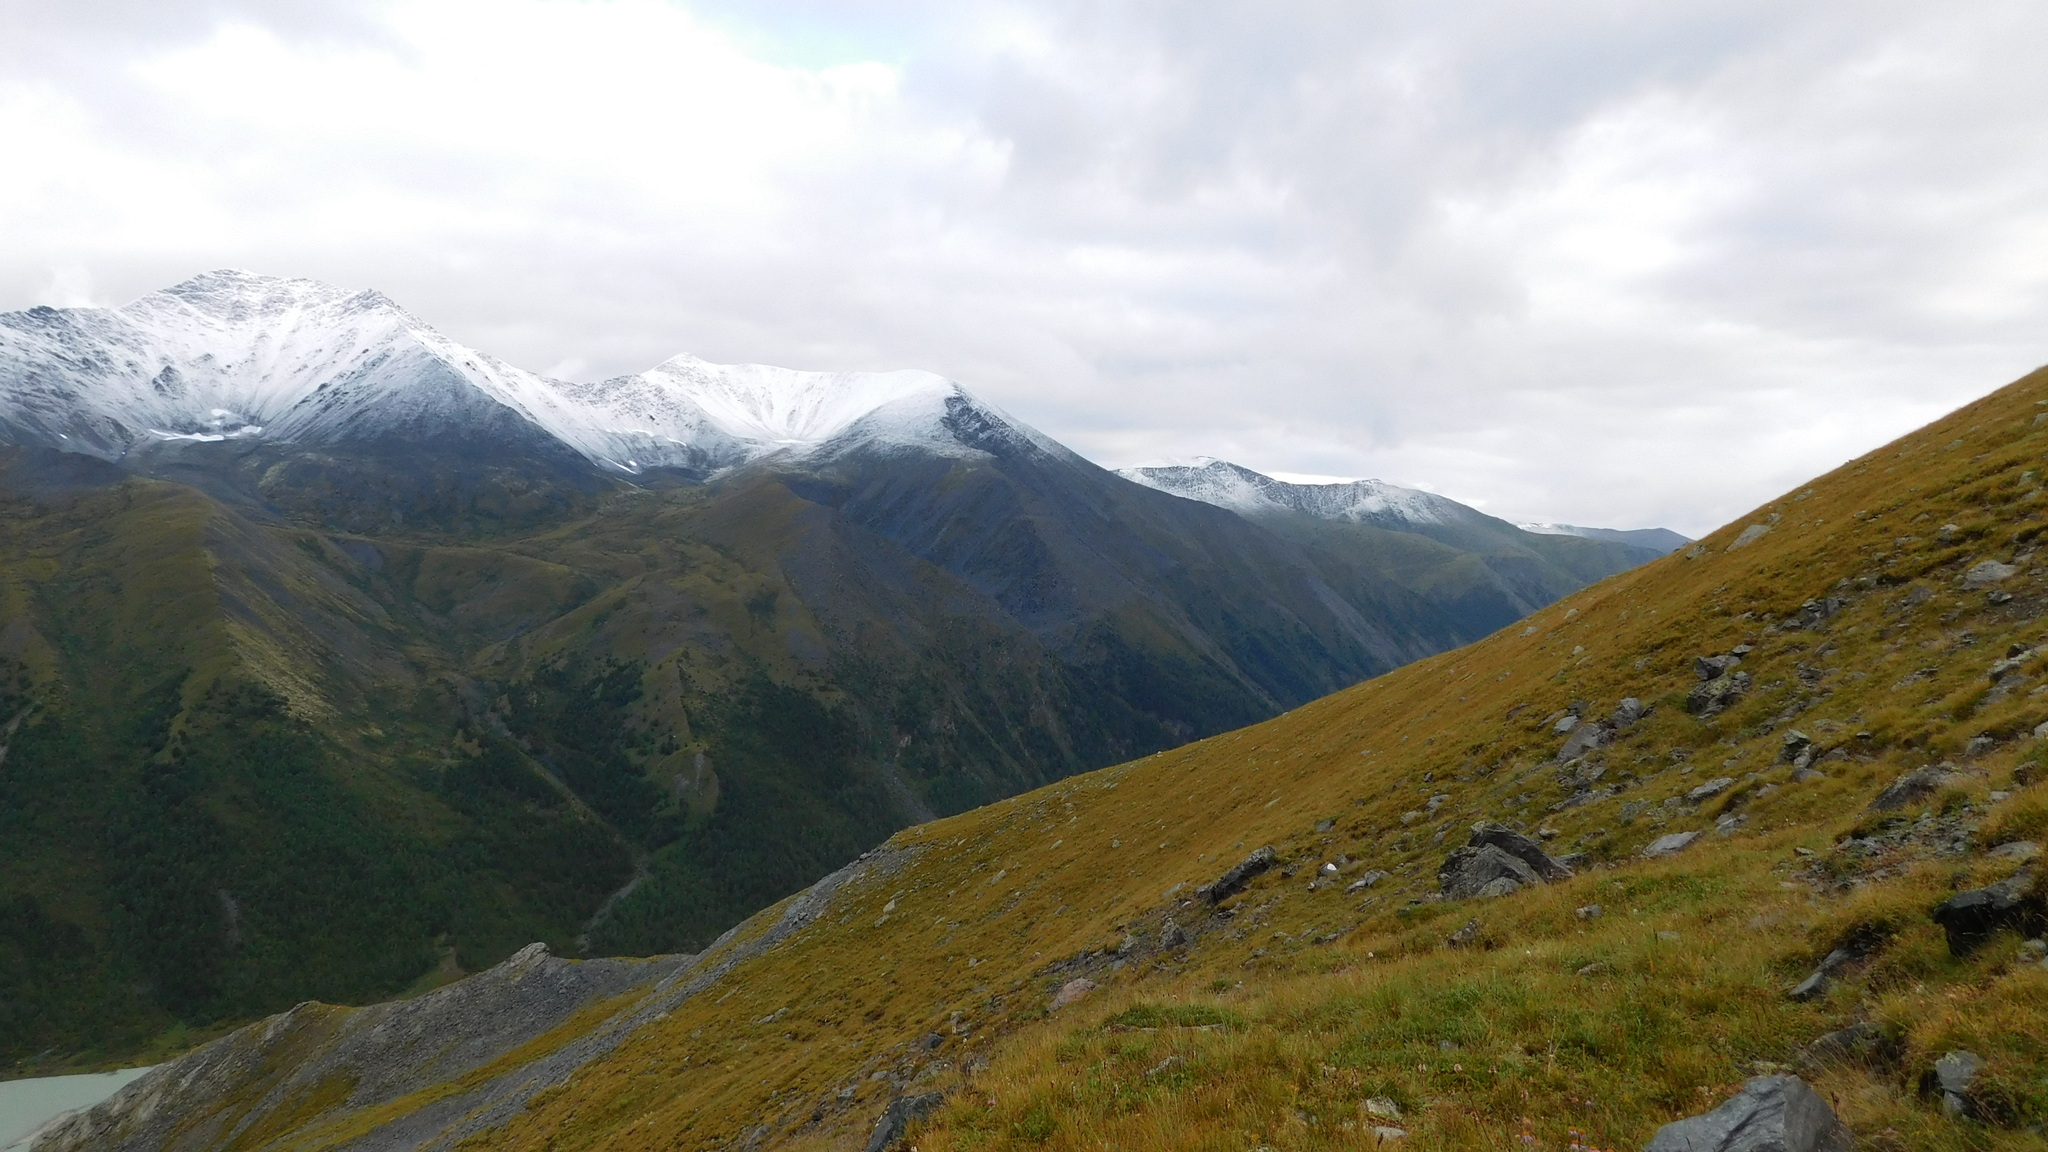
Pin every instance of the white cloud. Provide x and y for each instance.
(1583, 262)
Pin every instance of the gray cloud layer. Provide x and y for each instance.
(1597, 262)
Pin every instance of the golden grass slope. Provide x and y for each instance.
(1274, 1025)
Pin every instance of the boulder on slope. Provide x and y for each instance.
(1770, 1114)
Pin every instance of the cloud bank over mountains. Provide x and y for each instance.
(1578, 262)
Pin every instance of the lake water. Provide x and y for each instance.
(26, 1104)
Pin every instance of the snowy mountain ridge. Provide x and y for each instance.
(1240, 489)
(1373, 502)
(233, 355)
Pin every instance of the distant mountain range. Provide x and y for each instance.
(335, 656)
(1662, 540)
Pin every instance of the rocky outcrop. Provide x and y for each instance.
(1495, 862)
(1720, 684)
(1915, 786)
(1970, 918)
(266, 1078)
(1770, 1114)
(898, 1116)
(211, 1097)
(1240, 874)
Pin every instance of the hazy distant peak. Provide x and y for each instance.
(1658, 539)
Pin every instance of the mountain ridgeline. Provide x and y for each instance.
(339, 658)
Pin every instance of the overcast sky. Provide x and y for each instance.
(1604, 263)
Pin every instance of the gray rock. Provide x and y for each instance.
(1575, 860)
(1915, 786)
(1521, 848)
(1240, 874)
(1749, 535)
(1979, 746)
(1970, 918)
(1472, 868)
(1172, 935)
(1770, 1114)
(1987, 573)
(1626, 713)
(1950, 1079)
(1071, 991)
(2013, 662)
(1500, 887)
(1861, 1043)
(897, 1117)
(1669, 845)
(1365, 881)
(1822, 975)
(1710, 789)
(1715, 695)
(1794, 745)
(1714, 667)
(1589, 912)
(1566, 724)
(1465, 935)
(1583, 739)
(1813, 613)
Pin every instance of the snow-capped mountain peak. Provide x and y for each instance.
(230, 355)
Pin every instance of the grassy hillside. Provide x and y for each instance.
(326, 725)
(1873, 642)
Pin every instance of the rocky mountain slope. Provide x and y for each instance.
(1488, 570)
(1771, 804)
(337, 659)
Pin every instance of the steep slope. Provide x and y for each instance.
(1787, 745)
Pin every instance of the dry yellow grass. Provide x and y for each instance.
(935, 971)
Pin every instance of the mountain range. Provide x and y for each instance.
(338, 658)
(1738, 849)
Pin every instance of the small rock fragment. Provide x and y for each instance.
(1365, 881)
(1172, 935)
(1710, 789)
(1071, 991)
(1770, 1114)
(1987, 573)
(1589, 912)
(1914, 786)
(1670, 845)
(2012, 663)
(1465, 935)
(1860, 1043)
(1950, 1079)
(1795, 743)
(1381, 1106)
(1626, 713)
(2017, 851)
(1387, 1133)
